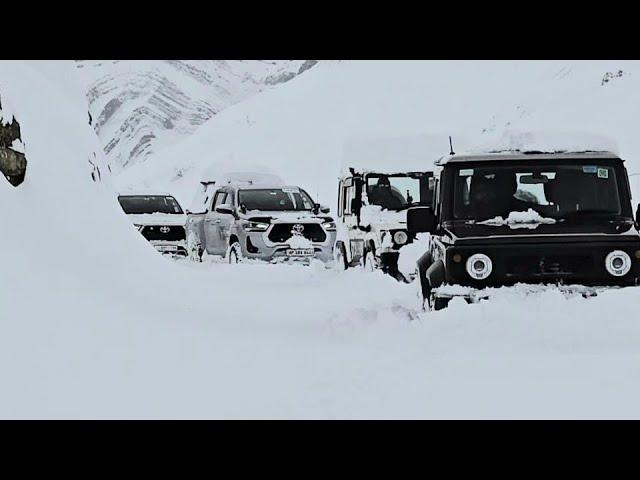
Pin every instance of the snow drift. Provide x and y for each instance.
(95, 324)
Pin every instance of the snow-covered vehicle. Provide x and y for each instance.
(160, 220)
(506, 218)
(257, 216)
(372, 216)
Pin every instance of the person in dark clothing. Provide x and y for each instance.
(382, 194)
(493, 196)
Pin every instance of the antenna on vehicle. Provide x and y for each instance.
(451, 146)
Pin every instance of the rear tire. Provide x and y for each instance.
(234, 253)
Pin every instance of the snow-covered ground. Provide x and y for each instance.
(95, 324)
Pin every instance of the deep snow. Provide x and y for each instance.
(94, 323)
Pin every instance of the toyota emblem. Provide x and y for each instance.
(298, 229)
(164, 230)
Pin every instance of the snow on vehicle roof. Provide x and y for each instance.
(143, 193)
(517, 155)
(242, 178)
(393, 155)
(225, 174)
(265, 186)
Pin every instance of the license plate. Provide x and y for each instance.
(300, 252)
(162, 248)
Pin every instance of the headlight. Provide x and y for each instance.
(330, 226)
(618, 263)
(400, 237)
(479, 266)
(256, 226)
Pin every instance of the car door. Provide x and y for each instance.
(224, 221)
(212, 223)
(355, 245)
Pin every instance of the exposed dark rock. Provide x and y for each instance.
(306, 66)
(610, 76)
(13, 165)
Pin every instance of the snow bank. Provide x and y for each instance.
(95, 324)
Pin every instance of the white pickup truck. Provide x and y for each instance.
(258, 217)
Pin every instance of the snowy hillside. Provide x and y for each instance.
(95, 324)
(301, 129)
(139, 107)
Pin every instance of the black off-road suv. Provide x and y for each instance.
(505, 218)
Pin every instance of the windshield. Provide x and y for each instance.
(566, 191)
(278, 199)
(139, 204)
(396, 192)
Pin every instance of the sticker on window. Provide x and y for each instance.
(603, 173)
(466, 172)
(590, 169)
(291, 190)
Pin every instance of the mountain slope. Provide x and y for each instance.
(139, 107)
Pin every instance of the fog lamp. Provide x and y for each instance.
(400, 237)
(618, 263)
(479, 266)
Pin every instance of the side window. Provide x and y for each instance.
(219, 199)
(230, 198)
(348, 194)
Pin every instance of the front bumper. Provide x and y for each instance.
(256, 245)
(475, 295)
(178, 248)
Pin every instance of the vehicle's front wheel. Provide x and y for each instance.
(438, 303)
(234, 253)
(195, 253)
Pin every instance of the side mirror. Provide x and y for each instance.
(320, 208)
(638, 215)
(224, 209)
(421, 219)
(356, 206)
